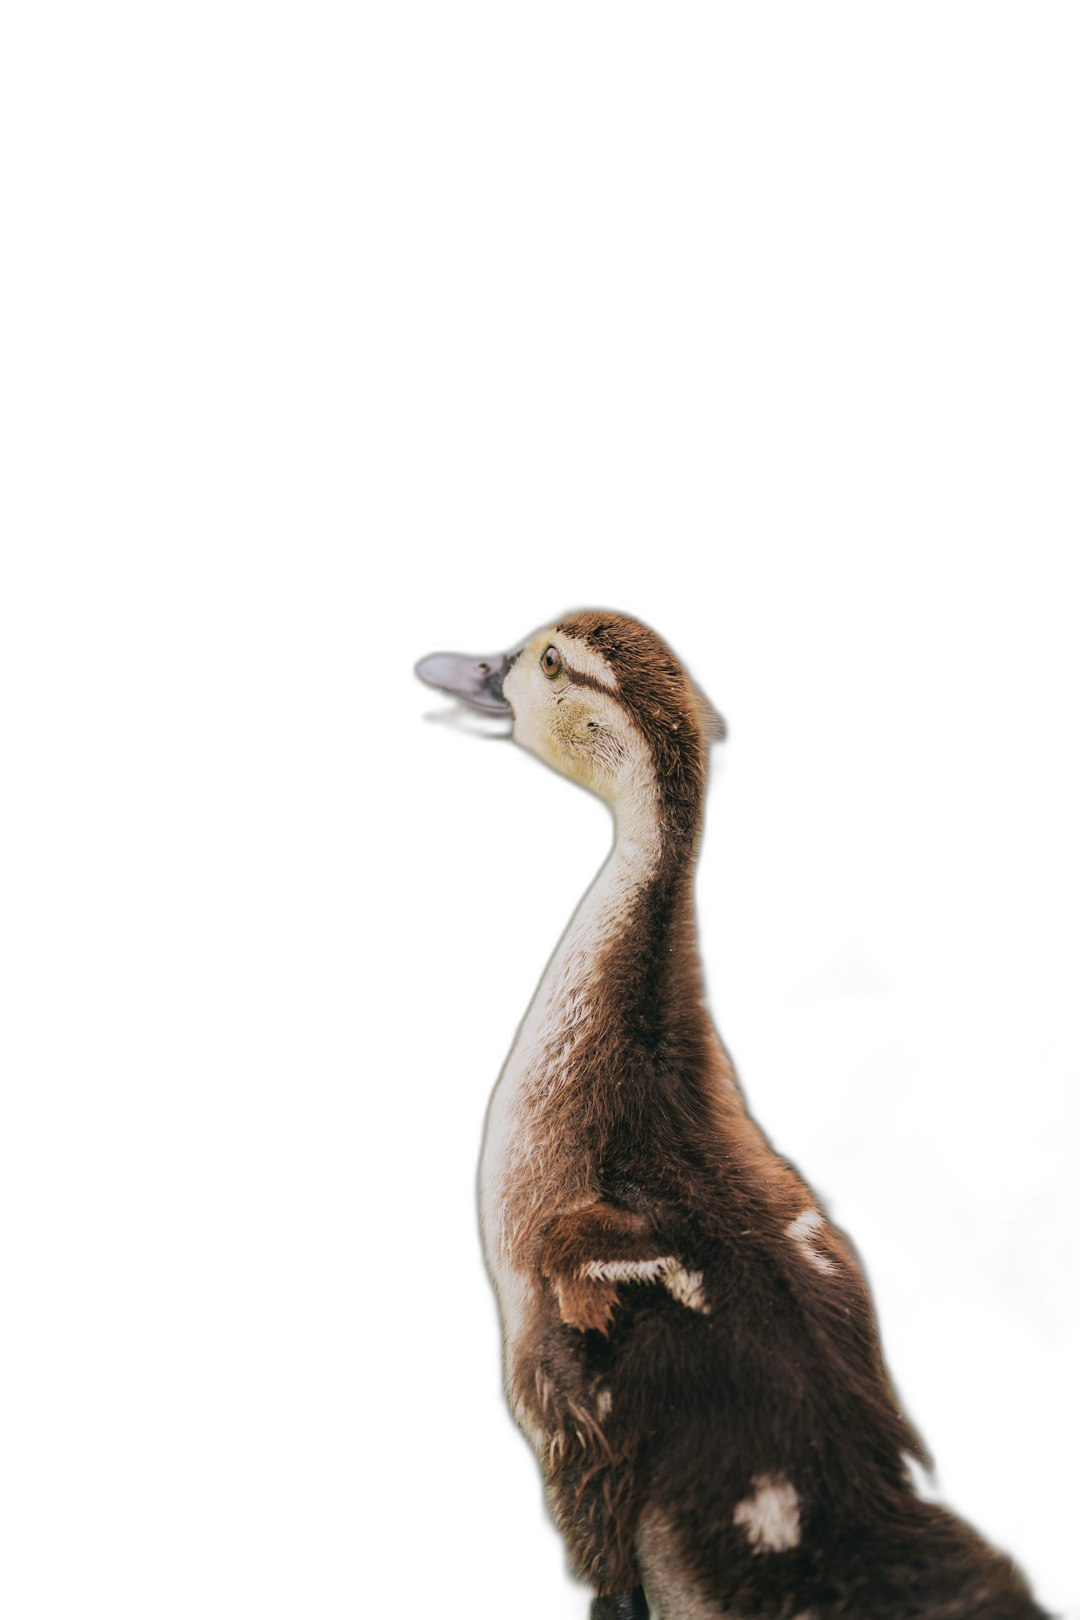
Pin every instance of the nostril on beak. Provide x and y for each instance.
(485, 669)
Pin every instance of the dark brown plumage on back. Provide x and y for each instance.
(690, 1345)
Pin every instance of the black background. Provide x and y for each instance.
(878, 875)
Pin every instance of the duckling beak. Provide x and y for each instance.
(477, 680)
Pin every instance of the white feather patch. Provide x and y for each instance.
(770, 1517)
(627, 1270)
(803, 1230)
(688, 1287)
(685, 1286)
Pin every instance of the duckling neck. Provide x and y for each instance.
(627, 965)
(624, 983)
(649, 966)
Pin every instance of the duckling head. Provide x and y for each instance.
(601, 698)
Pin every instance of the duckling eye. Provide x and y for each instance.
(551, 662)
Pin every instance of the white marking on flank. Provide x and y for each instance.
(770, 1517)
(685, 1286)
(628, 1270)
(803, 1231)
(811, 1220)
(688, 1288)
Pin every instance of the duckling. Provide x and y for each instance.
(690, 1344)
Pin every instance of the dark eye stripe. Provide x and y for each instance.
(579, 678)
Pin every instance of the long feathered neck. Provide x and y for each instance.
(632, 944)
(617, 1060)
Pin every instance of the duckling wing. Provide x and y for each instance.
(589, 1251)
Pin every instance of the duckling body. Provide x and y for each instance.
(691, 1348)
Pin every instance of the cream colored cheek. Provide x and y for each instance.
(569, 724)
(575, 738)
(539, 722)
(531, 732)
